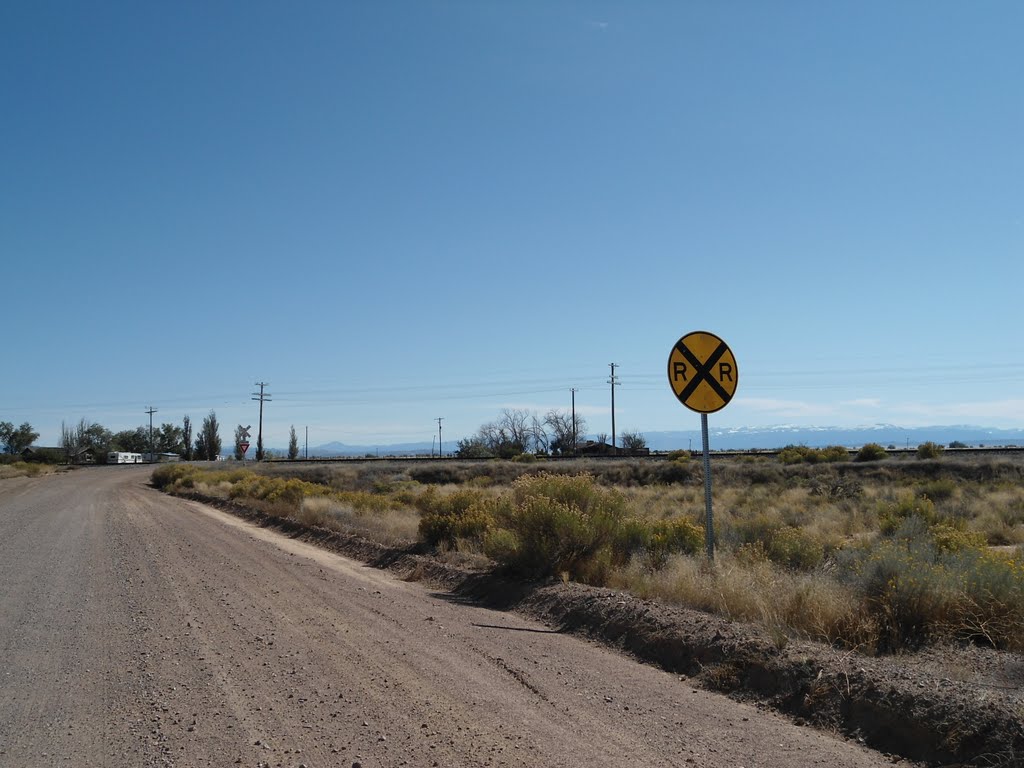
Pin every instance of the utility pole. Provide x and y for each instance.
(572, 390)
(263, 397)
(613, 381)
(307, 442)
(152, 452)
(440, 453)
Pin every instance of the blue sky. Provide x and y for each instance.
(398, 211)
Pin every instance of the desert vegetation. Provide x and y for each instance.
(9, 469)
(878, 555)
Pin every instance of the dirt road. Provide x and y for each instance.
(138, 629)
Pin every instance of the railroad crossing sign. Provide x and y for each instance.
(702, 372)
(243, 432)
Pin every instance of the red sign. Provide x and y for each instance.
(244, 445)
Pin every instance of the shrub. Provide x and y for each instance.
(439, 475)
(801, 454)
(765, 536)
(835, 488)
(673, 537)
(942, 489)
(916, 592)
(558, 525)
(796, 454)
(464, 514)
(794, 548)
(871, 452)
(910, 597)
(168, 474)
(676, 471)
(835, 453)
(992, 609)
(432, 502)
(447, 529)
(929, 450)
(892, 514)
(951, 536)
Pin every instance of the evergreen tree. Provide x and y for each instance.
(208, 441)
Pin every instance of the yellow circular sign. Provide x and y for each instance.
(702, 372)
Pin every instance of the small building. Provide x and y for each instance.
(57, 455)
(45, 454)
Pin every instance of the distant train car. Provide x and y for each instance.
(122, 457)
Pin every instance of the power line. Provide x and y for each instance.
(572, 391)
(152, 451)
(263, 397)
(612, 381)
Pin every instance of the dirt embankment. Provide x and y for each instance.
(943, 706)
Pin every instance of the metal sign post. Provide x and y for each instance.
(703, 374)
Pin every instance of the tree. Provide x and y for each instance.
(293, 444)
(563, 438)
(239, 439)
(871, 452)
(186, 438)
(538, 435)
(16, 440)
(516, 423)
(6, 431)
(169, 439)
(208, 440)
(633, 441)
(86, 436)
(473, 448)
(133, 440)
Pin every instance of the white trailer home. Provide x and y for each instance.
(122, 457)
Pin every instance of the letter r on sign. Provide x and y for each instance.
(679, 371)
(724, 371)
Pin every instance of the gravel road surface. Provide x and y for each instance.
(137, 629)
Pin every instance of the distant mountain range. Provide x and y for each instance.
(743, 438)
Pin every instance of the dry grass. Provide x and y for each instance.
(885, 555)
(391, 527)
(25, 469)
(756, 590)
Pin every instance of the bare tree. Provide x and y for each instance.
(85, 436)
(633, 441)
(538, 435)
(563, 438)
(517, 424)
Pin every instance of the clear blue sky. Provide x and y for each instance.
(393, 212)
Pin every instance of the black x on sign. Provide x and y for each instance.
(702, 372)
